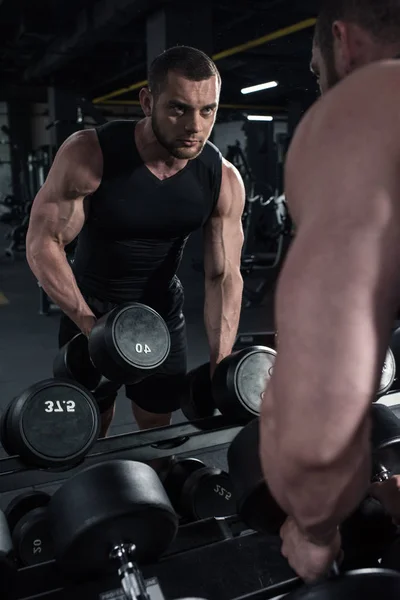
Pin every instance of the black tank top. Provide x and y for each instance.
(137, 226)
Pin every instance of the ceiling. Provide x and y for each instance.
(95, 47)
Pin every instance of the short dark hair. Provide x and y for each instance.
(381, 18)
(191, 63)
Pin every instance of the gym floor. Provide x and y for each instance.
(28, 341)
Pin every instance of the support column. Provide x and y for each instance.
(19, 132)
(262, 159)
(63, 115)
(261, 152)
(183, 25)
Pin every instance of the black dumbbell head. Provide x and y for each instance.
(174, 479)
(32, 538)
(4, 432)
(129, 343)
(196, 395)
(385, 437)
(73, 362)
(27, 519)
(240, 381)
(54, 423)
(207, 493)
(256, 506)
(106, 503)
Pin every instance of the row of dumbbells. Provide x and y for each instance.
(118, 512)
(195, 490)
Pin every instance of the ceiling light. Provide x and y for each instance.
(258, 88)
(259, 118)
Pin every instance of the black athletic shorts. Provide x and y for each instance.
(158, 393)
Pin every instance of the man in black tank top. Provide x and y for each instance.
(134, 192)
(339, 290)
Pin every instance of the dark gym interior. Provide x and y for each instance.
(71, 66)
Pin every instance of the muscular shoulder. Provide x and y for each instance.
(361, 104)
(345, 153)
(211, 159)
(83, 146)
(79, 162)
(232, 194)
(230, 174)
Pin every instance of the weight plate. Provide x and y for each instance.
(5, 442)
(388, 373)
(208, 493)
(73, 362)
(385, 439)
(119, 501)
(141, 336)
(6, 544)
(255, 505)
(53, 423)
(32, 538)
(24, 503)
(196, 394)
(251, 378)
(176, 476)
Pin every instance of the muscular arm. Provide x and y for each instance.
(223, 240)
(336, 301)
(56, 219)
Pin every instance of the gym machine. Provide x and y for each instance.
(267, 231)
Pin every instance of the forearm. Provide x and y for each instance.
(318, 488)
(223, 300)
(50, 266)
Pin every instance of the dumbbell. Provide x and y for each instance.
(113, 513)
(51, 424)
(236, 389)
(29, 526)
(255, 504)
(270, 339)
(199, 492)
(125, 346)
(73, 363)
(388, 374)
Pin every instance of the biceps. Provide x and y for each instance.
(55, 219)
(223, 241)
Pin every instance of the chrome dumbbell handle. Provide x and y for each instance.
(132, 581)
(382, 474)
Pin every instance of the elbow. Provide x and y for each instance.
(37, 247)
(33, 248)
(226, 276)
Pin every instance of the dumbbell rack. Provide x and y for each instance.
(191, 567)
(182, 439)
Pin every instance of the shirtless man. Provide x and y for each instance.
(134, 192)
(339, 291)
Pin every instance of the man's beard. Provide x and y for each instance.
(178, 152)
